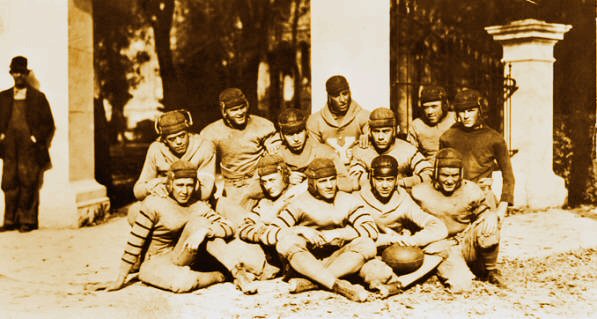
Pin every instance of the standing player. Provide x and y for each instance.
(412, 166)
(240, 140)
(481, 148)
(302, 230)
(473, 229)
(176, 143)
(341, 122)
(424, 132)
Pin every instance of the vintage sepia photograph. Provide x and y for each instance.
(298, 159)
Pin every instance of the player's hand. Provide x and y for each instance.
(33, 139)
(157, 186)
(107, 286)
(356, 171)
(296, 177)
(332, 237)
(403, 240)
(312, 236)
(490, 224)
(364, 140)
(192, 243)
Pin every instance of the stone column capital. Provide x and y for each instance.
(519, 36)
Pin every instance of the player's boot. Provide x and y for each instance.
(495, 277)
(243, 280)
(386, 290)
(352, 292)
(298, 285)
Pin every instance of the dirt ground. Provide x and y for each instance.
(549, 259)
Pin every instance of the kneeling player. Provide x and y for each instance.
(160, 221)
(302, 231)
(400, 221)
(473, 231)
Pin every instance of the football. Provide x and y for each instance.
(403, 259)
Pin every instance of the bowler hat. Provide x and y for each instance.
(19, 65)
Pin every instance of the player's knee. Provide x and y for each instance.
(290, 243)
(374, 271)
(364, 246)
(183, 280)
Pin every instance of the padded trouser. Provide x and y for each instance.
(325, 270)
(471, 254)
(171, 270)
(237, 251)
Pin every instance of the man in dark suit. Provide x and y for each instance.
(26, 128)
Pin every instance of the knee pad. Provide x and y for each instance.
(374, 271)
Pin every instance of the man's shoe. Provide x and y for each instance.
(495, 277)
(26, 228)
(7, 228)
(386, 290)
(243, 280)
(352, 292)
(298, 285)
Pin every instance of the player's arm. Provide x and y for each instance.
(363, 223)
(148, 179)
(431, 228)
(206, 172)
(503, 159)
(421, 170)
(312, 130)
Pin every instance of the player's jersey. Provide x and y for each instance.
(402, 213)
(161, 220)
(266, 212)
(240, 149)
(306, 210)
(426, 138)
(412, 166)
(458, 210)
(311, 150)
(200, 152)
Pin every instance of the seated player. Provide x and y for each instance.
(299, 149)
(304, 236)
(400, 221)
(175, 227)
(412, 166)
(473, 233)
(273, 177)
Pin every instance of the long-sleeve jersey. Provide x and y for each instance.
(313, 149)
(240, 149)
(161, 220)
(339, 132)
(306, 210)
(412, 166)
(481, 149)
(426, 138)
(457, 210)
(400, 213)
(265, 213)
(200, 152)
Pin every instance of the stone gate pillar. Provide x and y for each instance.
(57, 37)
(528, 46)
(352, 38)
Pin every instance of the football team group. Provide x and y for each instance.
(333, 200)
